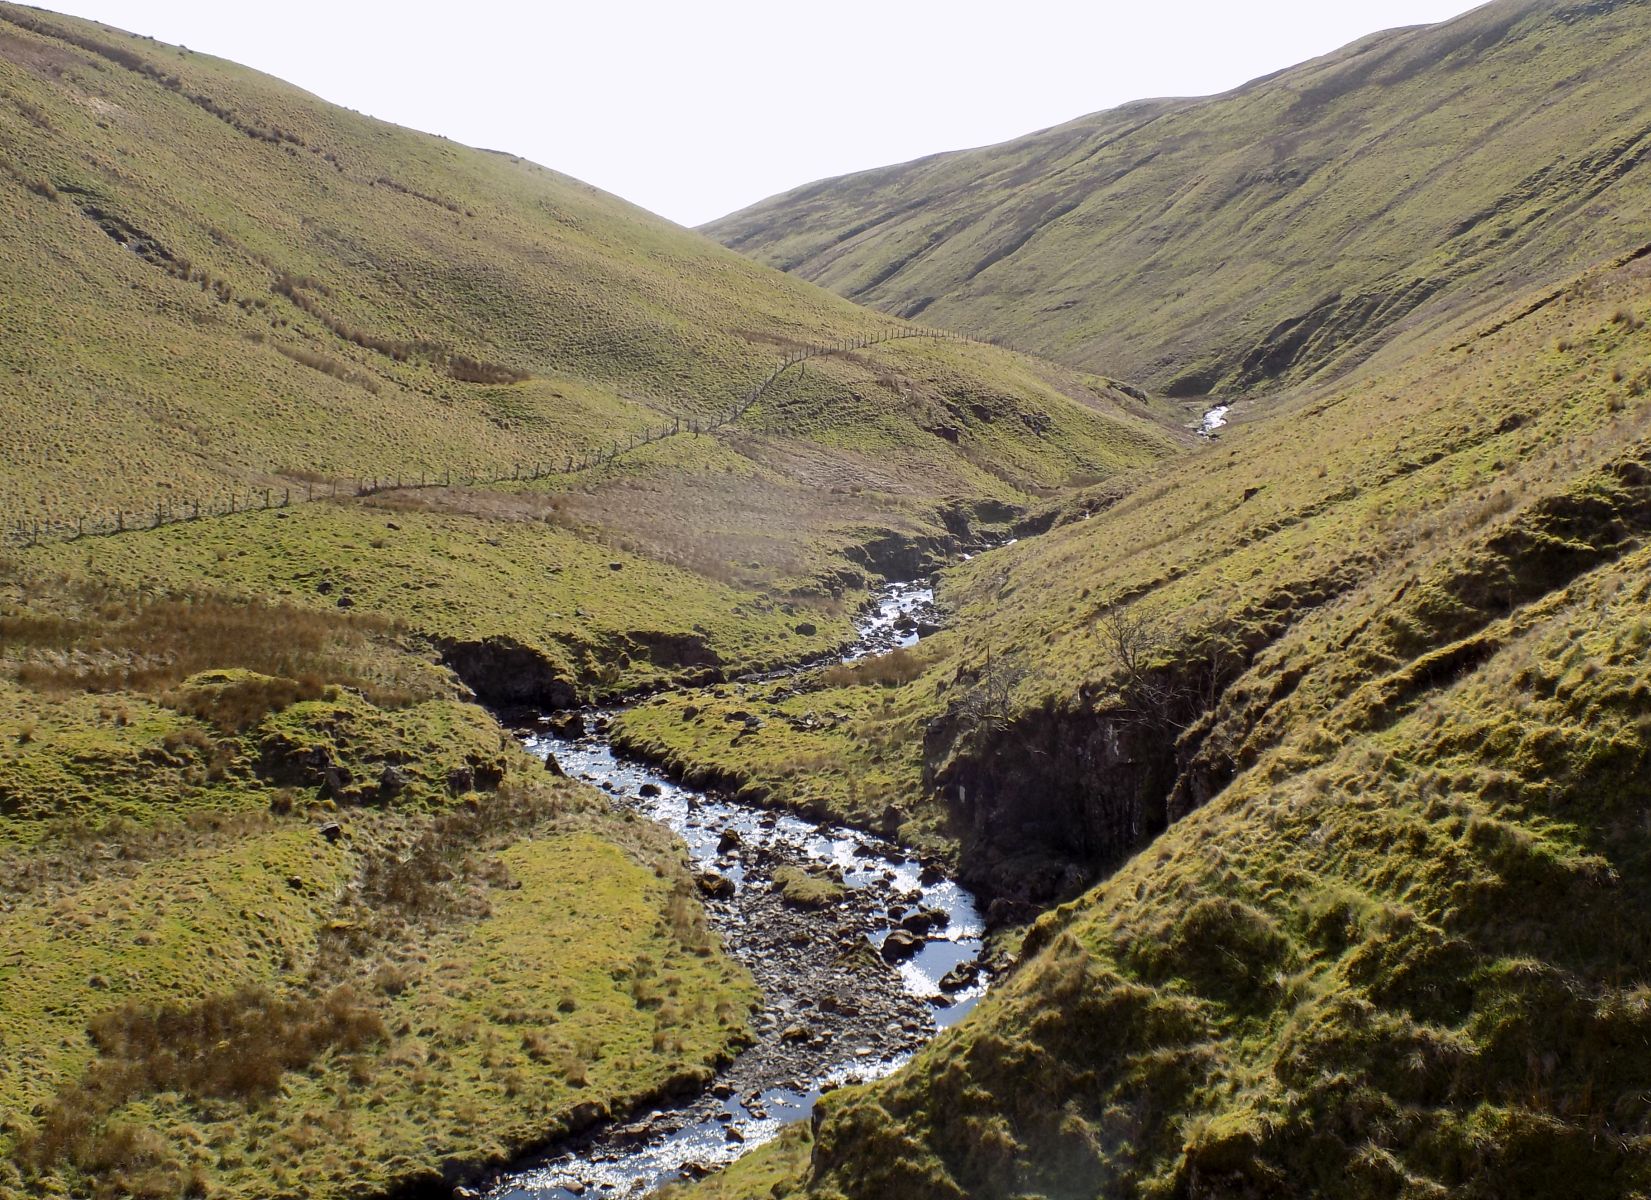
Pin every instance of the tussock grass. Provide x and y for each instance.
(246, 951)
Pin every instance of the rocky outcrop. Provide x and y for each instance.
(676, 649)
(1052, 799)
(897, 556)
(503, 673)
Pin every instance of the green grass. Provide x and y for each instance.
(242, 312)
(1284, 229)
(1411, 968)
(1388, 667)
(848, 753)
(308, 931)
(459, 576)
(768, 1173)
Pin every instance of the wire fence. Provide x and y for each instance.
(22, 533)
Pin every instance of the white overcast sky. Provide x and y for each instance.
(696, 109)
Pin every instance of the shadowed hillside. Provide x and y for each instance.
(1285, 229)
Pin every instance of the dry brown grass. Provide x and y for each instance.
(893, 669)
(105, 640)
(234, 1047)
(240, 704)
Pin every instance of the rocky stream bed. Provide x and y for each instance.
(862, 954)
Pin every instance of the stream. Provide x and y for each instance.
(850, 990)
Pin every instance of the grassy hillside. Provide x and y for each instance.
(219, 282)
(1348, 714)
(220, 286)
(1285, 229)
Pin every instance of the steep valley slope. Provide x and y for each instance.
(1266, 236)
(1304, 768)
(1349, 714)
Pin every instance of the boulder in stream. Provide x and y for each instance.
(900, 945)
(715, 886)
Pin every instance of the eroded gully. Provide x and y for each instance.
(850, 990)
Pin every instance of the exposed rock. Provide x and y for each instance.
(715, 886)
(730, 840)
(674, 649)
(569, 724)
(553, 767)
(336, 780)
(900, 946)
(461, 780)
(807, 628)
(959, 977)
(332, 831)
(392, 781)
(648, 790)
(503, 672)
(917, 923)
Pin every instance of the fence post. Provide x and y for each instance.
(120, 522)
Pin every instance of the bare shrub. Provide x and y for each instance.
(1165, 678)
(988, 700)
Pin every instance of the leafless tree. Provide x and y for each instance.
(987, 704)
(1159, 686)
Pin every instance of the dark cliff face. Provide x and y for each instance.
(1051, 800)
(506, 674)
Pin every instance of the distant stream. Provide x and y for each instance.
(836, 1008)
